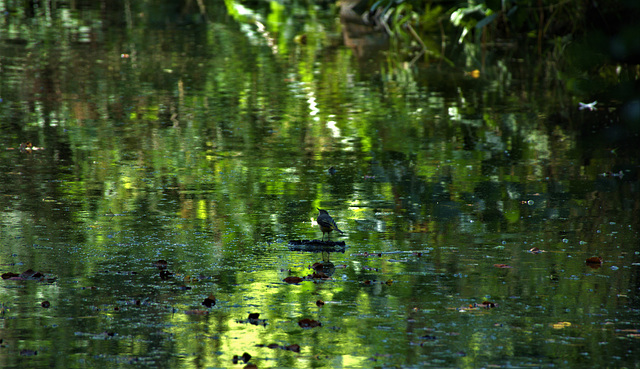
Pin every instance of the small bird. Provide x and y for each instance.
(326, 223)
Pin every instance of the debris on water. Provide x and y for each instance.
(209, 301)
(292, 280)
(594, 262)
(244, 358)
(309, 323)
(294, 347)
(254, 318)
(27, 275)
(317, 246)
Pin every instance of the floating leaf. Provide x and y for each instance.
(502, 266)
(45, 304)
(9, 275)
(245, 358)
(320, 303)
(309, 323)
(250, 366)
(535, 250)
(561, 325)
(595, 260)
(487, 304)
(294, 348)
(320, 275)
(161, 264)
(253, 316)
(27, 275)
(293, 280)
(209, 301)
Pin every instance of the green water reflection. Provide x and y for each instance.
(206, 142)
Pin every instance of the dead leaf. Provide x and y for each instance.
(319, 275)
(594, 262)
(161, 264)
(9, 275)
(294, 348)
(309, 323)
(561, 325)
(245, 358)
(209, 301)
(502, 266)
(320, 303)
(487, 304)
(293, 280)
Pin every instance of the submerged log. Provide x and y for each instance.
(317, 246)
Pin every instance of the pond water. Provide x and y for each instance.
(154, 171)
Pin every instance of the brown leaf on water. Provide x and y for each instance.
(320, 303)
(594, 262)
(161, 264)
(27, 275)
(319, 275)
(9, 275)
(294, 348)
(250, 366)
(45, 304)
(502, 266)
(367, 282)
(273, 346)
(317, 266)
(209, 301)
(244, 358)
(253, 316)
(535, 250)
(30, 274)
(309, 323)
(293, 280)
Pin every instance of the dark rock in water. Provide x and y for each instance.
(317, 245)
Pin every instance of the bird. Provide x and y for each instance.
(326, 223)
